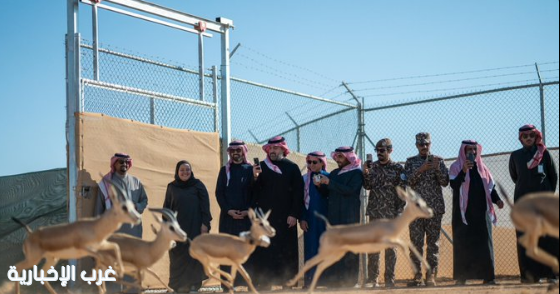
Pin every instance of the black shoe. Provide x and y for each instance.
(416, 283)
(490, 282)
(390, 285)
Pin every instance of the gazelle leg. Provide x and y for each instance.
(306, 267)
(330, 260)
(247, 278)
(208, 270)
(159, 279)
(531, 242)
(48, 263)
(419, 256)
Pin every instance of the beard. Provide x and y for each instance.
(237, 158)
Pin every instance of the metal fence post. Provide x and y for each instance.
(95, 31)
(215, 98)
(226, 95)
(543, 118)
(298, 134)
(73, 106)
(152, 111)
(201, 64)
(360, 151)
(72, 102)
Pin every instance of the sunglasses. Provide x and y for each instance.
(237, 150)
(423, 144)
(312, 162)
(380, 150)
(531, 135)
(121, 161)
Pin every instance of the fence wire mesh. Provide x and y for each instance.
(260, 112)
(160, 100)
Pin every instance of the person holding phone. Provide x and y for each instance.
(315, 201)
(345, 187)
(381, 178)
(532, 169)
(427, 174)
(278, 187)
(474, 196)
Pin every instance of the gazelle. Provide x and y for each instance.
(78, 239)
(536, 215)
(368, 238)
(138, 255)
(213, 250)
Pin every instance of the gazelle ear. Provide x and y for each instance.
(252, 214)
(412, 194)
(403, 195)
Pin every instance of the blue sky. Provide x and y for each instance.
(324, 42)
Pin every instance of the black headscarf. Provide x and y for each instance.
(180, 183)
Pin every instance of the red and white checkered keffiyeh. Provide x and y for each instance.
(276, 141)
(348, 152)
(487, 180)
(541, 148)
(106, 181)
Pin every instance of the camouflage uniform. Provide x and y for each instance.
(383, 203)
(428, 185)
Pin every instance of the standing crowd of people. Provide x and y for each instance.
(277, 184)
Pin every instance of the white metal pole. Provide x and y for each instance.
(73, 106)
(225, 95)
(201, 65)
(72, 102)
(95, 31)
(215, 98)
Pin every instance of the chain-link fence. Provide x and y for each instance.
(160, 93)
(148, 91)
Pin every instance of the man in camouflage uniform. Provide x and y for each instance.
(381, 178)
(427, 174)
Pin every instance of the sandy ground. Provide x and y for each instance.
(504, 288)
(445, 287)
(507, 289)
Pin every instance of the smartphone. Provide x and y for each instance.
(470, 157)
(317, 178)
(369, 157)
(430, 158)
(256, 161)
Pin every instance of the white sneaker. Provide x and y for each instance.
(371, 285)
